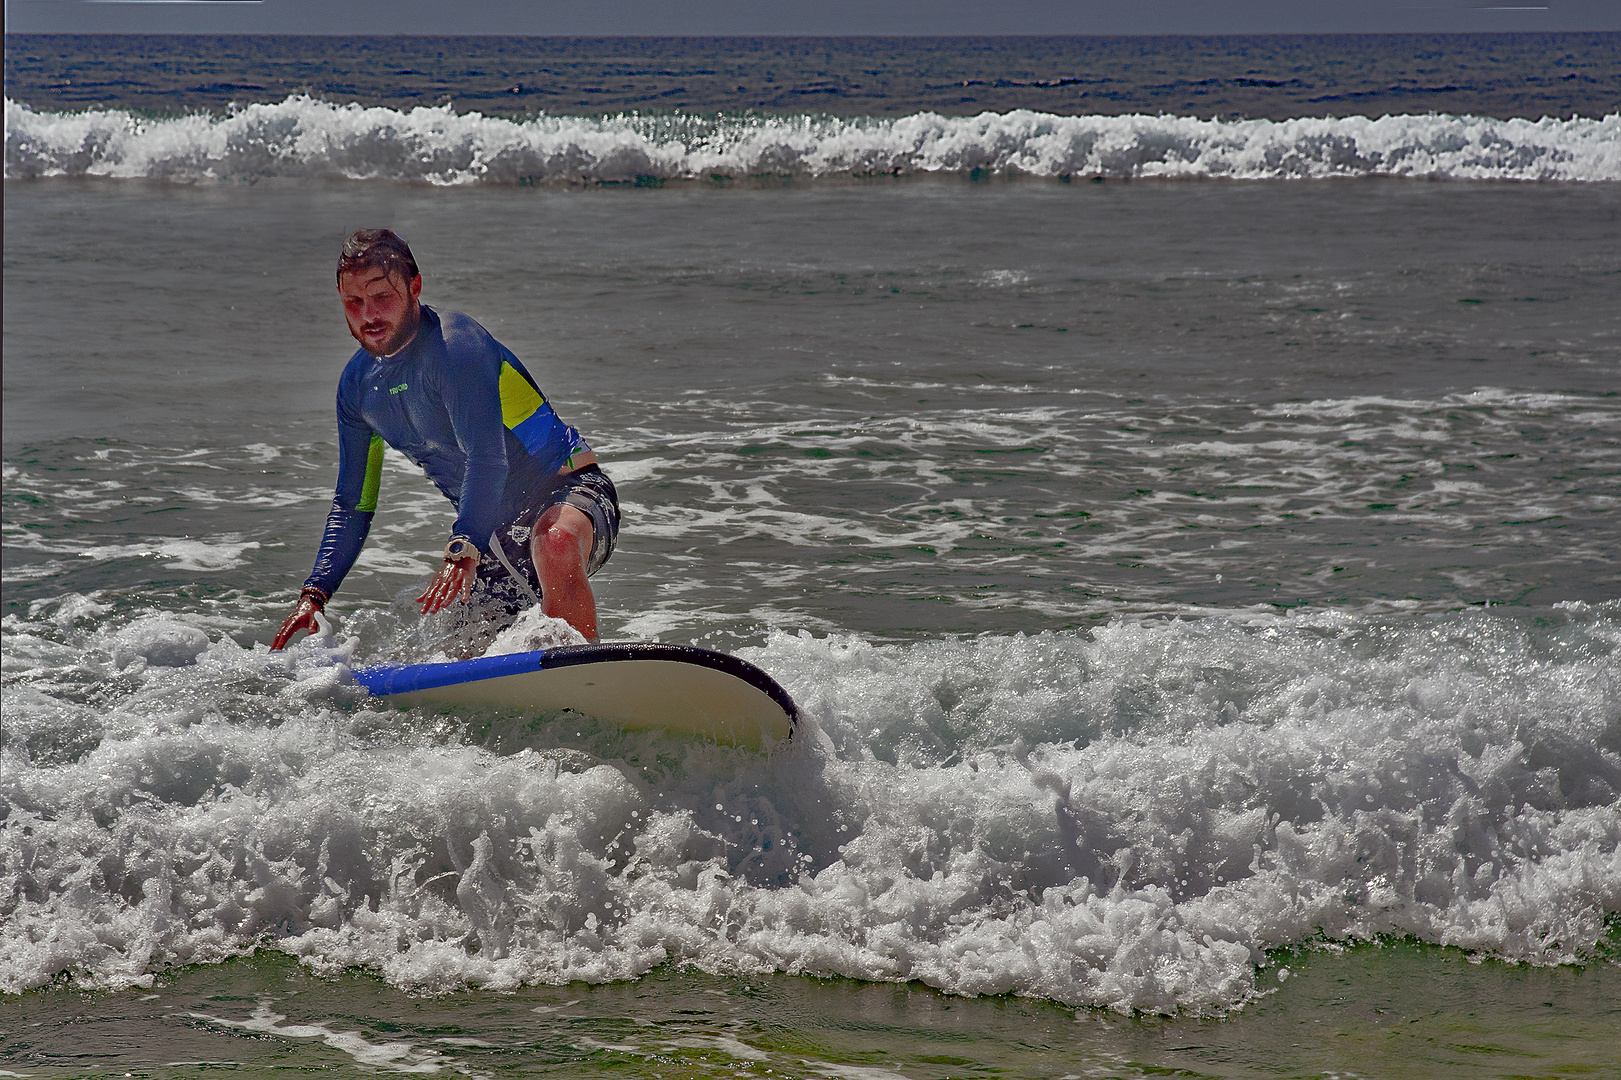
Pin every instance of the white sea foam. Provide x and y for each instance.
(161, 641)
(1129, 818)
(223, 553)
(532, 630)
(303, 137)
(396, 1057)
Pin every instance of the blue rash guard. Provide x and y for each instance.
(459, 404)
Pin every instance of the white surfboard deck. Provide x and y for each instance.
(637, 685)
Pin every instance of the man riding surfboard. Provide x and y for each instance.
(536, 516)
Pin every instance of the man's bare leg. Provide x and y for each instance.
(561, 545)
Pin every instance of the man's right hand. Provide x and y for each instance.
(310, 602)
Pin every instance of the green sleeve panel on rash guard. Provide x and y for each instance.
(374, 476)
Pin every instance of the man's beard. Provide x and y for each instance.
(397, 340)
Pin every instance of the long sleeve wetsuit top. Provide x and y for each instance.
(459, 404)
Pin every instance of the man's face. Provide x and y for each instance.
(381, 309)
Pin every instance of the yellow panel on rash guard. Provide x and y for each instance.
(519, 400)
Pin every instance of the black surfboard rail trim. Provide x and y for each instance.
(385, 680)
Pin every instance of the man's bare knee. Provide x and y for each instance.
(563, 539)
(561, 548)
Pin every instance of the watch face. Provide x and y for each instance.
(457, 550)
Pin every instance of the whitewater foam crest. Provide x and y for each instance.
(304, 137)
(1131, 818)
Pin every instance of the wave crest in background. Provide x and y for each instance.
(307, 138)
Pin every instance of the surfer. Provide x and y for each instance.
(535, 514)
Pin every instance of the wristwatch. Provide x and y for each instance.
(460, 548)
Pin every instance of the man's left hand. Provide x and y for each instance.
(453, 582)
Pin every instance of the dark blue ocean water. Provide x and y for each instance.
(1271, 77)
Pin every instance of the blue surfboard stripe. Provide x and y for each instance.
(385, 679)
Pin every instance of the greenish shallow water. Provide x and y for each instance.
(1397, 1011)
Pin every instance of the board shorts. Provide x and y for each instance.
(507, 572)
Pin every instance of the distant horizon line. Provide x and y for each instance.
(821, 37)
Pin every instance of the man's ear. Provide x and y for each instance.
(416, 287)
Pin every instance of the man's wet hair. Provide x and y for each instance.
(377, 249)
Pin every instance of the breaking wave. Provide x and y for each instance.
(307, 138)
(1131, 818)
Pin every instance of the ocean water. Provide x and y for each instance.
(1274, 76)
(1201, 594)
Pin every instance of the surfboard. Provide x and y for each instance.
(681, 689)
